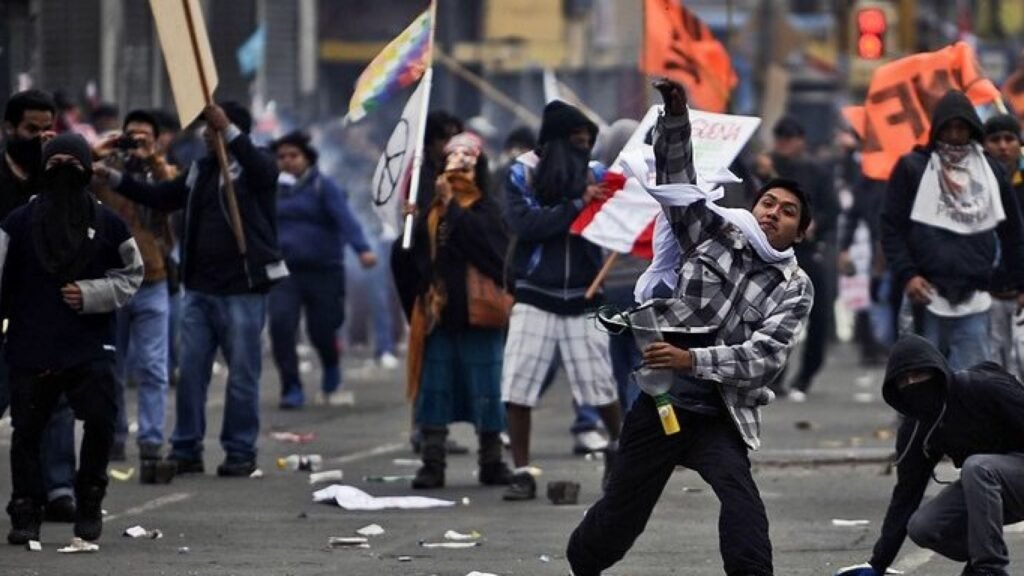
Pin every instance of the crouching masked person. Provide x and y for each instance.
(974, 416)
(67, 263)
(728, 318)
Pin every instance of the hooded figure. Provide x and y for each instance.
(949, 215)
(976, 418)
(66, 211)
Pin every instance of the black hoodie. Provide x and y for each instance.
(983, 413)
(956, 264)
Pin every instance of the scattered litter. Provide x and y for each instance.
(34, 546)
(140, 532)
(689, 490)
(302, 516)
(78, 546)
(184, 550)
(475, 573)
(352, 498)
(450, 545)
(371, 530)
(454, 536)
(561, 492)
(883, 433)
(326, 476)
(301, 462)
(294, 437)
(544, 558)
(864, 397)
(122, 475)
(405, 558)
(348, 542)
(849, 523)
(465, 500)
(256, 474)
(804, 425)
(594, 456)
(390, 479)
(866, 565)
(408, 462)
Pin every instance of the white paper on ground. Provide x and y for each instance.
(450, 545)
(371, 530)
(77, 546)
(454, 536)
(475, 573)
(848, 523)
(352, 498)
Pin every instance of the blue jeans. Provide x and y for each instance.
(233, 324)
(321, 293)
(964, 341)
(376, 282)
(58, 445)
(142, 334)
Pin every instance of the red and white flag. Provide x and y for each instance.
(624, 221)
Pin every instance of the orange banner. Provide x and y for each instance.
(1013, 92)
(896, 115)
(680, 46)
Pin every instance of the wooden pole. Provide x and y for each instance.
(219, 148)
(601, 275)
(488, 89)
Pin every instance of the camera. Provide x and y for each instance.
(126, 142)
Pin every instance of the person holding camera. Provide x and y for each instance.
(142, 325)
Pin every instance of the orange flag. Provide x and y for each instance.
(680, 46)
(1013, 91)
(896, 115)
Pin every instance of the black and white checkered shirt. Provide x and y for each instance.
(756, 307)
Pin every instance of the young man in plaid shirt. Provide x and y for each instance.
(737, 275)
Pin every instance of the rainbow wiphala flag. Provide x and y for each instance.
(401, 63)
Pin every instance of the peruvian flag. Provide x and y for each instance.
(624, 221)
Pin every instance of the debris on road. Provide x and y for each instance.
(256, 474)
(348, 542)
(883, 433)
(405, 558)
(371, 530)
(465, 501)
(562, 492)
(301, 462)
(454, 536)
(140, 532)
(849, 523)
(78, 546)
(864, 397)
(389, 478)
(294, 437)
(184, 550)
(122, 475)
(475, 573)
(544, 558)
(352, 498)
(804, 425)
(325, 476)
(34, 546)
(450, 545)
(690, 490)
(407, 462)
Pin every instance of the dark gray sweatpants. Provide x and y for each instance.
(965, 521)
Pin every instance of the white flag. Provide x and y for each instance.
(394, 169)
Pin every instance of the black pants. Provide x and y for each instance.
(818, 323)
(89, 389)
(713, 448)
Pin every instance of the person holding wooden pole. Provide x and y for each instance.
(228, 265)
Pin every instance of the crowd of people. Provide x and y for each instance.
(128, 246)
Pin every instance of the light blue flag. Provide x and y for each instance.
(250, 53)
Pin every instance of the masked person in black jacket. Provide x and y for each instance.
(976, 418)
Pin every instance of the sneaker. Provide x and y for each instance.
(388, 361)
(89, 514)
(61, 509)
(796, 396)
(292, 400)
(26, 518)
(589, 441)
(495, 474)
(523, 487)
(236, 468)
(117, 452)
(187, 465)
(149, 451)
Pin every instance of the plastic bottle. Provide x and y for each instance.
(304, 462)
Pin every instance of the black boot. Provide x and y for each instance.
(493, 472)
(89, 513)
(26, 518)
(431, 475)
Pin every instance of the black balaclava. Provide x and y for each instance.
(65, 213)
(923, 400)
(562, 170)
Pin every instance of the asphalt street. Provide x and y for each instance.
(822, 460)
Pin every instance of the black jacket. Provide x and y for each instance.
(1003, 278)
(14, 192)
(211, 262)
(474, 236)
(983, 413)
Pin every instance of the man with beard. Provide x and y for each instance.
(553, 268)
(66, 263)
(976, 418)
(28, 124)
